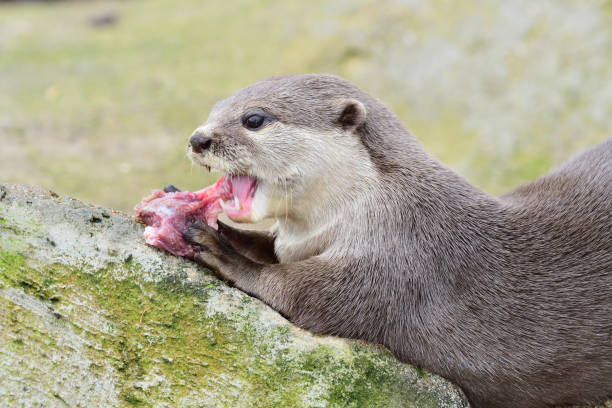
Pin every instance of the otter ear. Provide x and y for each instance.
(352, 114)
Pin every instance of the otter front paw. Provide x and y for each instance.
(216, 253)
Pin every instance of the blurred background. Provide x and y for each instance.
(97, 99)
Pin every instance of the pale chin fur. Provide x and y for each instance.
(314, 169)
(325, 175)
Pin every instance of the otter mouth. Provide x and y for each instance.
(238, 200)
(235, 191)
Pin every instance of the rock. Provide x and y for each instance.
(91, 316)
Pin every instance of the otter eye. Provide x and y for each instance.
(253, 122)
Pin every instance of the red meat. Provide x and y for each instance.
(167, 214)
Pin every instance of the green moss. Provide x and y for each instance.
(422, 373)
(11, 267)
(14, 272)
(132, 399)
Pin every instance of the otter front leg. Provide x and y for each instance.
(317, 294)
(258, 246)
(219, 255)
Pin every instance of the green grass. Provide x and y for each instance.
(103, 114)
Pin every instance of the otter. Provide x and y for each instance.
(509, 297)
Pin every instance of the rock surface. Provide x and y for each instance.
(91, 316)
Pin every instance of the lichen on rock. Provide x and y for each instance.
(91, 316)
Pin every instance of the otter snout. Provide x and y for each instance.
(199, 143)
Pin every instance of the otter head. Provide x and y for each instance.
(289, 144)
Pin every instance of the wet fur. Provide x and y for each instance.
(510, 297)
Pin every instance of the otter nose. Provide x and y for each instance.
(199, 143)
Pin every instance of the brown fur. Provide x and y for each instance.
(510, 297)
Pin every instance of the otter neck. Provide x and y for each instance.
(455, 244)
(322, 204)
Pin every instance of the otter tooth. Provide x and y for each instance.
(237, 204)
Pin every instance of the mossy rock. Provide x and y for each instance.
(91, 316)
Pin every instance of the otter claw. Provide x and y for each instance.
(190, 235)
(169, 188)
(196, 232)
(197, 224)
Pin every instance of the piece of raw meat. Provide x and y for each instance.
(167, 214)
